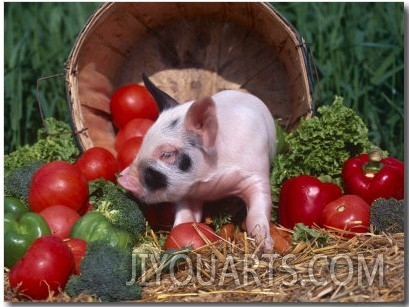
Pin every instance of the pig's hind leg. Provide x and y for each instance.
(188, 211)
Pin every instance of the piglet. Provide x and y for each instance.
(205, 150)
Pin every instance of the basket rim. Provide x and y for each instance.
(269, 8)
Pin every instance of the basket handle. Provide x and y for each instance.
(313, 75)
(41, 108)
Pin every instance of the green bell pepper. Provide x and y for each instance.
(93, 226)
(20, 232)
(14, 206)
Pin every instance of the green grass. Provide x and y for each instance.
(38, 38)
(357, 48)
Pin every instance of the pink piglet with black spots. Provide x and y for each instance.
(207, 149)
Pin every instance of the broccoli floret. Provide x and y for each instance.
(388, 215)
(55, 143)
(17, 182)
(106, 272)
(118, 207)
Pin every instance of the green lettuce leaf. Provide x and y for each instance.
(55, 143)
(321, 145)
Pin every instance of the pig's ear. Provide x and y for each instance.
(201, 120)
(163, 100)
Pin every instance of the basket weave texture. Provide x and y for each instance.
(188, 50)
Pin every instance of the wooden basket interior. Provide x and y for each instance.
(189, 50)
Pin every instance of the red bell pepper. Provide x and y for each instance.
(303, 198)
(370, 176)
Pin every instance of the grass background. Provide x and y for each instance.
(358, 49)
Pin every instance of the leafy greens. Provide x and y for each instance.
(321, 145)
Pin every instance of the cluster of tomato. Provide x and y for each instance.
(38, 237)
(366, 177)
(39, 251)
(133, 111)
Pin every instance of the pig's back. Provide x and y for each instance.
(246, 126)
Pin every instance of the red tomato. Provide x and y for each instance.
(60, 219)
(132, 101)
(78, 248)
(60, 183)
(44, 269)
(97, 162)
(185, 234)
(160, 216)
(137, 127)
(349, 212)
(129, 152)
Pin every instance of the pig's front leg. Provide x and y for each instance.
(258, 200)
(188, 211)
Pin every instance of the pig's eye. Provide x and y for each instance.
(166, 155)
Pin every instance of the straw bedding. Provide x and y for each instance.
(365, 268)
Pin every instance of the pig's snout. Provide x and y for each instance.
(129, 180)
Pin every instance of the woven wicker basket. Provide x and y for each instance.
(189, 50)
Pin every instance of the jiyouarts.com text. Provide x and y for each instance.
(263, 270)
